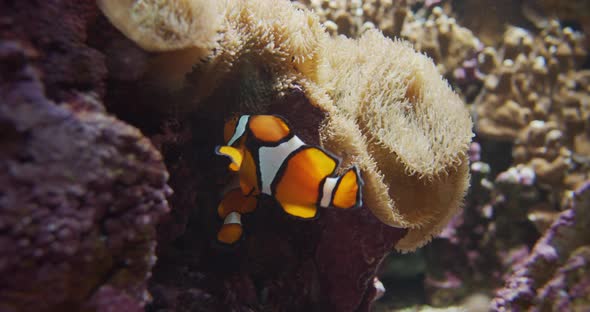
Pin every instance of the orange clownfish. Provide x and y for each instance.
(271, 160)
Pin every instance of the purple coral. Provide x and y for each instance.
(556, 264)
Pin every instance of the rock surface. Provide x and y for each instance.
(554, 277)
(81, 191)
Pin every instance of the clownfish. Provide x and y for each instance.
(271, 160)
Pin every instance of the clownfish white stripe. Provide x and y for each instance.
(233, 218)
(271, 159)
(328, 191)
(240, 129)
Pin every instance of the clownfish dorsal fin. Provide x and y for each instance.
(235, 155)
(238, 130)
(269, 129)
(346, 192)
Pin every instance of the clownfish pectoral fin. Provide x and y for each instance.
(348, 190)
(300, 211)
(231, 230)
(235, 155)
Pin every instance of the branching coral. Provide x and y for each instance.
(353, 18)
(526, 80)
(534, 95)
(540, 146)
(540, 11)
(441, 38)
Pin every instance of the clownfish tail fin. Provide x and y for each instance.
(231, 230)
(348, 190)
(235, 155)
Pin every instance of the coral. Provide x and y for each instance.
(81, 194)
(60, 48)
(423, 162)
(534, 95)
(437, 35)
(186, 29)
(109, 299)
(166, 25)
(353, 18)
(559, 262)
(84, 197)
(441, 38)
(540, 147)
(541, 11)
(487, 19)
(528, 79)
(502, 218)
(463, 259)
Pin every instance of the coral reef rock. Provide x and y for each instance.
(557, 265)
(81, 193)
